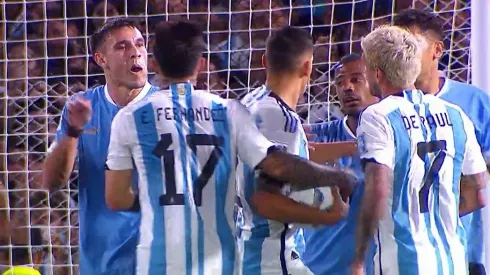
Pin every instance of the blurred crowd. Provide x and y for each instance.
(45, 59)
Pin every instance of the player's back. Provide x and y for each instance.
(184, 145)
(421, 232)
(269, 246)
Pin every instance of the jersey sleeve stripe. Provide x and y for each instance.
(147, 135)
(222, 179)
(437, 217)
(183, 159)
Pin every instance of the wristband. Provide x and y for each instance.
(73, 132)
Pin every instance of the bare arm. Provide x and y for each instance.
(59, 163)
(377, 179)
(269, 203)
(303, 174)
(472, 195)
(119, 193)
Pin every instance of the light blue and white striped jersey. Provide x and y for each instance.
(475, 103)
(428, 143)
(270, 247)
(331, 249)
(184, 144)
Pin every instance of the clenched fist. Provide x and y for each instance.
(79, 112)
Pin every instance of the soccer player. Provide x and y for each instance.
(428, 29)
(268, 241)
(414, 148)
(108, 239)
(330, 249)
(184, 144)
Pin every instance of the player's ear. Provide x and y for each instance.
(264, 61)
(380, 75)
(438, 49)
(100, 59)
(201, 65)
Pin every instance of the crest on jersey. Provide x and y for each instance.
(361, 143)
(181, 90)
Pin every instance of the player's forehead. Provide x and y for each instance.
(123, 34)
(351, 68)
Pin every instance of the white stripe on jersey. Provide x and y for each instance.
(421, 231)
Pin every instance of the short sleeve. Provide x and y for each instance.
(119, 155)
(473, 162)
(252, 145)
(375, 138)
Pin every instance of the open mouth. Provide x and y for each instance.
(136, 68)
(351, 101)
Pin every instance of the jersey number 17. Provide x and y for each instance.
(171, 197)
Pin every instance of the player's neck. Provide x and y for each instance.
(122, 95)
(391, 90)
(430, 85)
(352, 123)
(192, 80)
(287, 89)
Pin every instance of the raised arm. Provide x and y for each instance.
(62, 154)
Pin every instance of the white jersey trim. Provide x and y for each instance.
(139, 97)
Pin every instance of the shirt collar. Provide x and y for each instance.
(139, 97)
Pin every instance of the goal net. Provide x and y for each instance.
(45, 59)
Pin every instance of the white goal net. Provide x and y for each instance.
(44, 55)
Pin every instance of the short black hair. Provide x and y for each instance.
(113, 24)
(284, 47)
(353, 57)
(425, 20)
(178, 47)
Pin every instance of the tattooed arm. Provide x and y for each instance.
(303, 174)
(377, 179)
(472, 195)
(269, 202)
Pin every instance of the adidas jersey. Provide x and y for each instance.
(428, 143)
(268, 246)
(184, 144)
(476, 105)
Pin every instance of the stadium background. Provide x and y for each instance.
(45, 59)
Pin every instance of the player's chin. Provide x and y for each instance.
(137, 81)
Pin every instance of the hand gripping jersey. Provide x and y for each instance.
(428, 143)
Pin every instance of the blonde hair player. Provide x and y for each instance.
(414, 148)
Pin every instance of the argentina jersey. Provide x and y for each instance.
(476, 105)
(184, 144)
(428, 143)
(270, 247)
(331, 249)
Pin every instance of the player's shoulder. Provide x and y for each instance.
(93, 94)
(459, 88)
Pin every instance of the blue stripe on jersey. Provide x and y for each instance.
(459, 137)
(252, 253)
(147, 138)
(435, 194)
(400, 208)
(282, 255)
(222, 175)
(192, 131)
(183, 159)
(437, 217)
